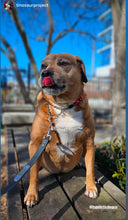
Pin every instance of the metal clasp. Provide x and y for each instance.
(48, 136)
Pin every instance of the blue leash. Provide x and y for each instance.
(27, 167)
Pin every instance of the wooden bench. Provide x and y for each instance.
(61, 196)
(17, 114)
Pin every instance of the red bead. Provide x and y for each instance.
(77, 102)
(81, 97)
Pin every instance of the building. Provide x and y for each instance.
(106, 38)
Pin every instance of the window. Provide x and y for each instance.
(106, 38)
(105, 57)
(107, 20)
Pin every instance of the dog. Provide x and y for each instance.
(64, 100)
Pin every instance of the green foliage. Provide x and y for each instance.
(104, 160)
(117, 159)
(119, 154)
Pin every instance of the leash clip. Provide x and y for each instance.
(48, 136)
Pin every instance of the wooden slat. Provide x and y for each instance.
(109, 187)
(74, 185)
(53, 202)
(14, 206)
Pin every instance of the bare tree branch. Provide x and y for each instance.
(42, 37)
(13, 61)
(63, 13)
(65, 32)
(85, 33)
(61, 34)
(4, 52)
(14, 15)
(78, 20)
(49, 39)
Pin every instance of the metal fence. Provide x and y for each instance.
(99, 88)
(99, 92)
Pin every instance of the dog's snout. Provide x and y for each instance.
(47, 73)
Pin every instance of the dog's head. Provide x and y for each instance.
(62, 73)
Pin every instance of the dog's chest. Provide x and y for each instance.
(68, 125)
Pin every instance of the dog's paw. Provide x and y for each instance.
(31, 198)
(91, 192)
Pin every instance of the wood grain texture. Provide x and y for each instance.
(53, 202)
(74, 185)
(61, 196)
(14, 206)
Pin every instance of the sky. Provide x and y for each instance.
(72, 43)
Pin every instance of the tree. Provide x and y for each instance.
(14, 15)
(11, 56)
(118, 8)
(70, 27)
(84, 10)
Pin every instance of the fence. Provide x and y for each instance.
(10, 90)
(99, 88)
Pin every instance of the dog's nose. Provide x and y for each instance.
(47, 73)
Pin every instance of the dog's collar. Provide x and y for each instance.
(77, 102)
(69, 106)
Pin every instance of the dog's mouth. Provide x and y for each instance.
(51, 87)
(48, 82)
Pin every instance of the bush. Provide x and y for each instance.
(111, 158)
(119, 155)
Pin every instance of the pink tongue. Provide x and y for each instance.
(47, 81)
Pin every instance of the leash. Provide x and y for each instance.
(27, 167)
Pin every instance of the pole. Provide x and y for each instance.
(29, 76)
(93, 58)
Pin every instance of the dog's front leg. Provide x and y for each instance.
(89, 155)
(31, 197)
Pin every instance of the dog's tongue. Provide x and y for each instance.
(47, 81)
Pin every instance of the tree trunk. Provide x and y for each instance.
(15, 17)
(119, 78)
(49, 39)
(12, 58)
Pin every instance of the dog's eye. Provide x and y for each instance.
(43, 66)
(63, 63)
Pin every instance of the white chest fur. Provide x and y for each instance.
(68, 125)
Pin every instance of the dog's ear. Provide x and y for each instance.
(82, 68)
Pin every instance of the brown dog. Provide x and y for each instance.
(62, 96)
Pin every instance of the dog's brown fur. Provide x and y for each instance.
(73, 75)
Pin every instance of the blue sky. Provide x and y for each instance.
(72, 43)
